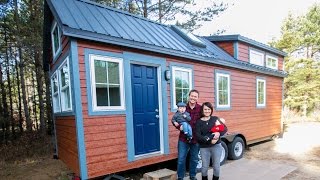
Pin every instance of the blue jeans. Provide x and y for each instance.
(183, 149)
(187, 129)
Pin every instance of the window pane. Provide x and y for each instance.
(64, 75)
(100, 68)
(185, 79)
(223, 98)
(185, 93)
(56, 105)
(178, 95)
(113, 73)
(66, 99)
(56, 38)
(102, 95)
(55, 83)
(178, 80)
(114, 91)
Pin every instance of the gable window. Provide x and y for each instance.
(272, 62)
(55, 39)
(222, 90)
(107, 83)
(256, 57)
(181, 84)
(261, 92)
(60, 86)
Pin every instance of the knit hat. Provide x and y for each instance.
(181, 104)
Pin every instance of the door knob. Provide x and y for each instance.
(157, 116)
(157, 110)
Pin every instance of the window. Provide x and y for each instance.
(65, 87)
(106, 83)
(261, 93)
(223, 90)
(272, 62)
(181, 83)
(55, 93)
(61, 91)
(55, 39)
(256, 57)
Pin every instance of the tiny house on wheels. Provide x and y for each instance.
(116, 79)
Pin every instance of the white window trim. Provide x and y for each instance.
(217, 88)
(55, 94)
(93, 57)
(55, 51)
(174, 68)
(264, 92)
(256, 52)
(66, 61)
(274, 58)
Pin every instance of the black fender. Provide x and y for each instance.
(229, 137)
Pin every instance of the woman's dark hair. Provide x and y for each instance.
(194, 90)
(209, 105)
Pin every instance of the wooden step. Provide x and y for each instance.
(162, 174)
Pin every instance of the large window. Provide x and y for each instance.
(60, 87)
(106, 83)
(272, 62)
(256, 57)
(181, 83)
(55, 39)
(261, 92)
(222, 90)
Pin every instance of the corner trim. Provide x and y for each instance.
(78, 110)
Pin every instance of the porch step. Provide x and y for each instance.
(162, 174)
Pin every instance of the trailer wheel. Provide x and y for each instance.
(236, 148)
(224, 153)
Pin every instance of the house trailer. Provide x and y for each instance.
(116, 79)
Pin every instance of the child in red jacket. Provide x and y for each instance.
(218, 127)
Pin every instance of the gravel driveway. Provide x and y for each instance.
(299, 147)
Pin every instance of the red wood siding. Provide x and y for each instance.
(105, 136)
(67, 142)
(280, 63)
(243, 52)
(226, 46)
(243, 117)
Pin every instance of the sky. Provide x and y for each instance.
(260, 20)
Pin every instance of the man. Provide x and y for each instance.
(183, 145)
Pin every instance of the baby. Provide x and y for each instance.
(218, 127)
(181, 117)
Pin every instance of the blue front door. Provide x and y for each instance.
(145, 107)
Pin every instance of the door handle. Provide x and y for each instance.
(157, 116)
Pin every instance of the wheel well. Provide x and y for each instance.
(230, 137)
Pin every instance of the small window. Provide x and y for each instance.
(107, 83)
(181, 83)
(261, 93)
(65, 87)
(60, 86)
(55, 93)
(256, 57)
(55, 39)
(223, 90)
(272, 62)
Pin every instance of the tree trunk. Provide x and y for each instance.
(19, 96)
(4, 109)
(48, 103)
(11, 119)
(145, 13)
(24, 93)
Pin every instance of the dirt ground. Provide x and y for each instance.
(299, 147)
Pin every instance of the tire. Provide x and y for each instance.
(236, 148)
(224, 154)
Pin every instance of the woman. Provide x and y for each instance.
(209, 147)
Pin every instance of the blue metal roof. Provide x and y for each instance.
(88, 20)
(238, 37)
